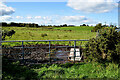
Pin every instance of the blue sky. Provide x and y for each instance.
(56, 13)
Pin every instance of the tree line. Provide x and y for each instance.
(13, 24)
(19, 24)
(4, 24)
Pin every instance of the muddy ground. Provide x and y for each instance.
(38, 53)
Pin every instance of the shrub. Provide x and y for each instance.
(97, 27)
(43, 35)
(106, 47)
(7, 33)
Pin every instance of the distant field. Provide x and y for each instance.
(63, 33)
(24, 33)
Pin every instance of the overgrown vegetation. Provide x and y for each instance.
(106, 47)
(15, 71)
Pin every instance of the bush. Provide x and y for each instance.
(106, 47)
(7, 33)
(97, 27)
(43, 35)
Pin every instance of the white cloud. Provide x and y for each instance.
(29, 17)
(47, 20)
(53, 20)
(5, 10)
(38, 17)
(5, 18)
(46, 17)
(30, 22)
(58, 19)
(36, 0)
(92, 6)
(19, 17)
(76, 20)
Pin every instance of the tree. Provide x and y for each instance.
(84, 24)
(87, 25)
(64, 25)
(3, 24)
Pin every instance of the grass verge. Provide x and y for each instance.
(13, 70)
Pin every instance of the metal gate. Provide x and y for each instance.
(42, 51)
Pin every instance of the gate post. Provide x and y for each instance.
(23, 51)
(74, 51)
(49, 52)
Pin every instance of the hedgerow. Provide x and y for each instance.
(105, 47)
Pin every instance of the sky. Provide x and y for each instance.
(58, 12)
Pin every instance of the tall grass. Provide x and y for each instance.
(13, 70)
(80, 70)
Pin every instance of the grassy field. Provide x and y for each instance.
(15, 71)
(24, 33)
(63, 33)
(70, 71)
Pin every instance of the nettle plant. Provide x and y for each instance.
(105, 47)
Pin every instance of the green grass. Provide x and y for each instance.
(63, 33)
(68, 70)
(25, 33)
(14, 71)
(90, 70)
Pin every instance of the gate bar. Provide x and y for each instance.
(41, 40)
(23, 50)
(74, 51)
(49, 52)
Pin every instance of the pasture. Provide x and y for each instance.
(55, 33)
(25, 33)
